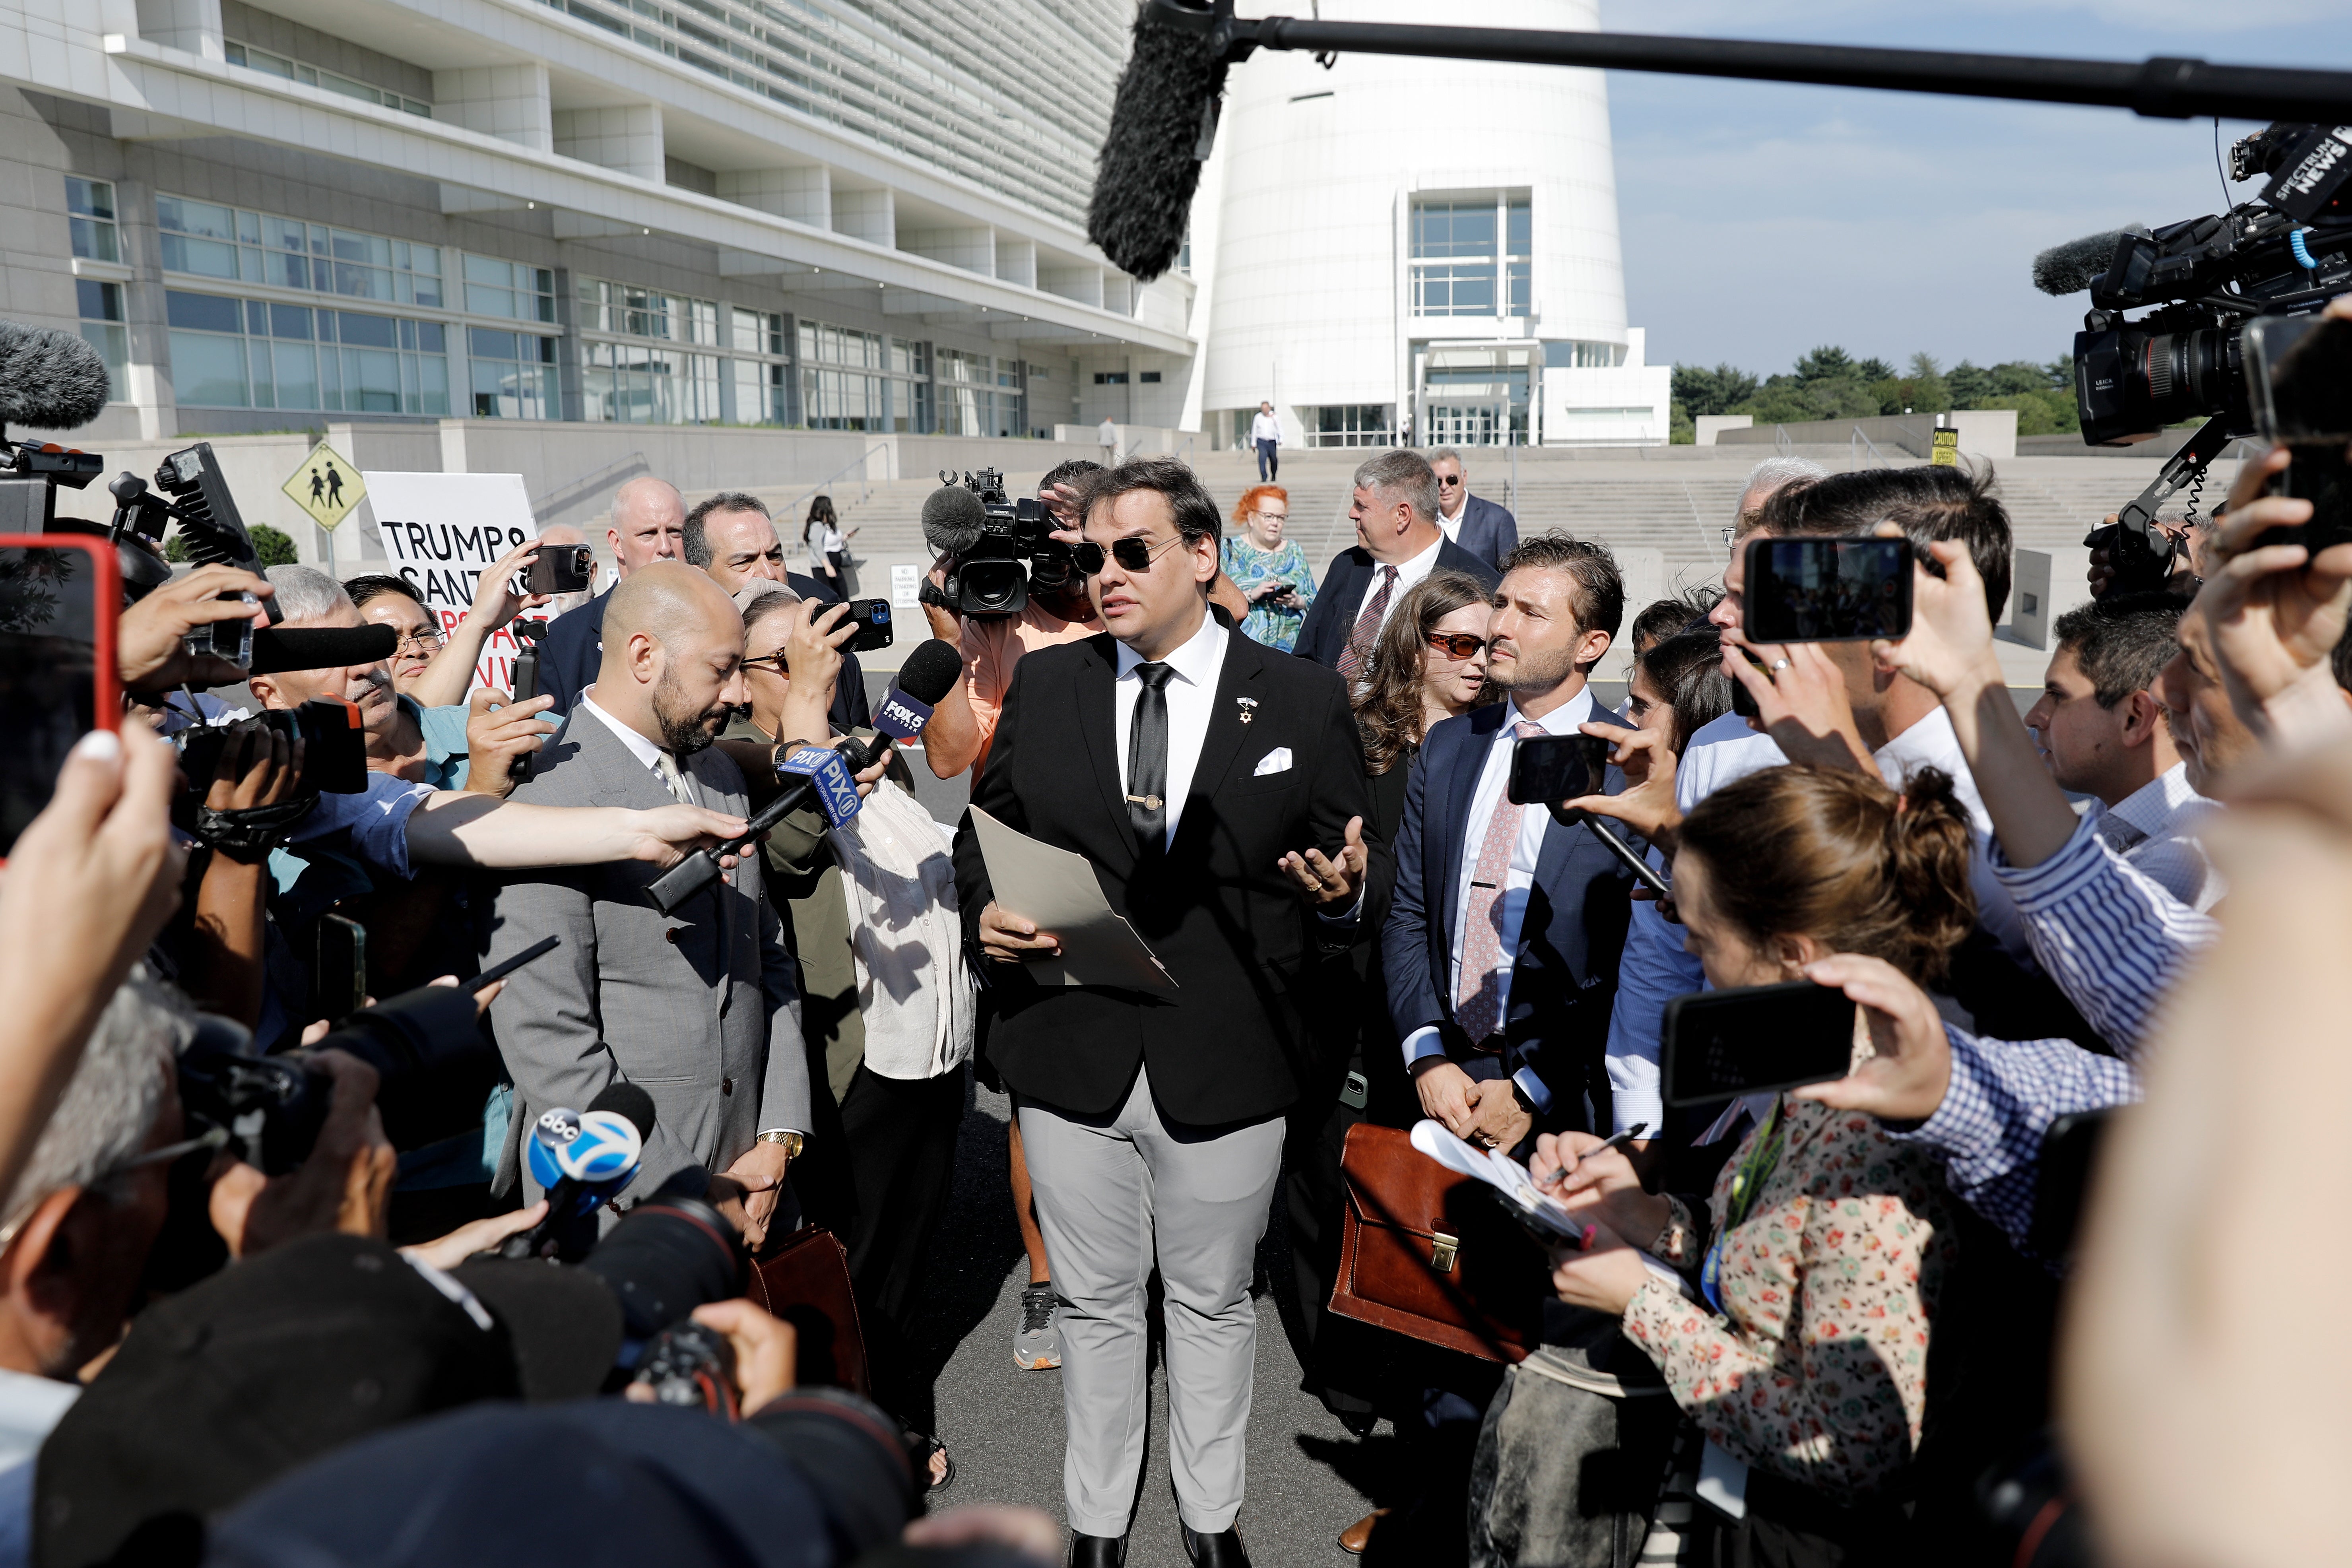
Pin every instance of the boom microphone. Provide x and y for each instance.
(279, 648)
(50, 380)
(953, 518)
(929, 673)
(1162, 126)
(583, 1162)
(2071, 267)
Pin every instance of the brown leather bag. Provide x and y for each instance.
(805, 1281)
(1423, 1253)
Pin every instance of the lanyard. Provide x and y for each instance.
(1746, 1186)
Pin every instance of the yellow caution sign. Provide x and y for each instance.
(1944, 449)
(326, 486)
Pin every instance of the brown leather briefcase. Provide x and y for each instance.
(1423, 1253)
(805, 1281)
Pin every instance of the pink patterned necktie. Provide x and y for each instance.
(1359, 651)
(1478, 1007)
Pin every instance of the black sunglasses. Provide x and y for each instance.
(1459, 645)
(1135, 554)
(1449, 479)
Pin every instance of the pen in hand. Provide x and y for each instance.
(1615, 1141)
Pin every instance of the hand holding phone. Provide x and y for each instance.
(1826, 590)
(2299, 379)
(1720, 1045)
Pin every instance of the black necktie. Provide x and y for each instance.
(1146, 760)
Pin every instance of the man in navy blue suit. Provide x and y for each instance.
(1501, 947)
(1483, 528)
(1398, 543)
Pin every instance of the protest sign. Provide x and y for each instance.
(442, 532)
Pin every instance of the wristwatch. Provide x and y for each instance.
(792, 1142)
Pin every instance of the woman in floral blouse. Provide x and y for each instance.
(1271, 571)
(1789, 1312)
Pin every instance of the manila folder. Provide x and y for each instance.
(1058, 890)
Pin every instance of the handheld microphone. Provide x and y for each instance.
(279, 648)
(583, 1160)
(2071, 267)
(929, 673)
(50, 380)
(953, 519)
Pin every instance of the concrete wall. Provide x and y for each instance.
(1711, 426)
(1984, 433)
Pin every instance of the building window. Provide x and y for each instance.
(760, 391)
(637, 312)
(514, 374)
(101, 326)
(977, 395)
(853, 379)
(1471, 256)
(250, 353)
(509, 289)
(1579, 355)
(90, 205)
(1112, 378)
(1349, 425)
(270, 64)
(1149, 378)
(757, 332)
(628, 385)
(230, 243)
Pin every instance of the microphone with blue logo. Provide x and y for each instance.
(583, 1160)
(828, 774)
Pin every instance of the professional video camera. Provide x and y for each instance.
(1000, 547)
(335, 756)
(2285, 253)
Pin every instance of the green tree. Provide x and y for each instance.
(273, 547)
(1682, 430)
(1702, 391)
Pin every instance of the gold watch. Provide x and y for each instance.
(792, 1142)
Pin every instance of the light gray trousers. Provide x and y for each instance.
(1114, 1192)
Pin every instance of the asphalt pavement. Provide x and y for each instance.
(1308, 1478)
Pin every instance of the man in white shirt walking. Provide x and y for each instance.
(1106, 434)
(1266, 435)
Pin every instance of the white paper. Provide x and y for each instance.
(442, 532)
(1056, 891)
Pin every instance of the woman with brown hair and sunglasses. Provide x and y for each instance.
(1429, 664)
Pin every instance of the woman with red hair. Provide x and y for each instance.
(1271, 571)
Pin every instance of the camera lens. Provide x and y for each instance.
(2130, 383)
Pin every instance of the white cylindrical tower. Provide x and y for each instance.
(1397, 238)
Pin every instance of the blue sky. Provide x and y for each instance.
(1761, 220)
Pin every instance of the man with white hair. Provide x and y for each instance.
(1486, 529)
(1398, 543)
(648, 524)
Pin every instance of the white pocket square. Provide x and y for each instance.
(1276, 760)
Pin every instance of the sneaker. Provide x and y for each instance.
(1037, 1342)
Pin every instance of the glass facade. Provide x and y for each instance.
(270, 64)
(626, 309)
(252, 354)
(513, 375)
(90, 216)
(230, 243)
(1472, 255)
(509, 289)
(1347, 424)
(635, 384)
(977, 394)
(102, 329)
(854, 380)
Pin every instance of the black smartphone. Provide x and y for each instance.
(339, 980)
(560, 569)
(1549, 768)
(1743, 701)
(1826, 590)
(1722, 1043)
(872, 617)
(2296, 371)
(59, 597)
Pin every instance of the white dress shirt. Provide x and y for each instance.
(1191, 692)
(2155, 829)
(1265, 428)
(1511, 906)
(645, 750)
(1452, 525)
(1656, 968)
(1408, 576)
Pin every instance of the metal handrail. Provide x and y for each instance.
(1855, 455)
(1707, 541)
(587, 484)
(1780, 441)
(863, 462)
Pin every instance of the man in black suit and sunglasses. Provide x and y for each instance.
(1217, 788)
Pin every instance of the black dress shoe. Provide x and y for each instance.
(1098, 1550)
(1221, 1549)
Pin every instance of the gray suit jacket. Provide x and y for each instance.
(700, 1009)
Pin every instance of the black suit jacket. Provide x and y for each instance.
(1488, 529)
(1323, 636)
(573, 649)
(1234, 1044)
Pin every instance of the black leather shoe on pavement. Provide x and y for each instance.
(1098, 1550)
(1221, 1549)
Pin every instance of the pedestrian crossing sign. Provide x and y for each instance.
(326, 486)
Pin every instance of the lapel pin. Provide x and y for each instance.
(1248, 705)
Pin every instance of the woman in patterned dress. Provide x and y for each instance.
(1271, 571)
(1789, 1313)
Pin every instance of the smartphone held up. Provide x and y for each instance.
(1751, 1040)
(2296, 371)
(1826, 590)
(60, 595)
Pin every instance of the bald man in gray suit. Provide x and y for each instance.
(699, 1007)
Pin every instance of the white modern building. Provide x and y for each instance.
(1393, 240)
(847, 216)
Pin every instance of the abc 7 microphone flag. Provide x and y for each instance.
(591, 1147)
